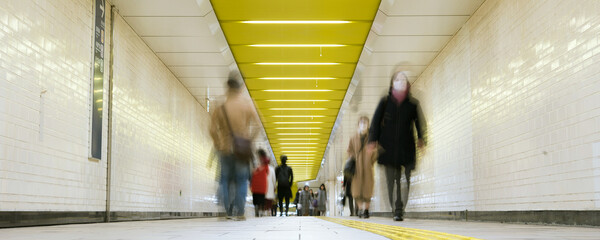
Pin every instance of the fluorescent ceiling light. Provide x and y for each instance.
(298, 134)
(299, 128)
(297, 90)
(297, 63)
(298, 116)
(296, 22)
(297, 109)
(296, 143)
(297, 100)
(301, 152)
(297, 78)
(298, 147)
(298, 139)
(297, 45)
(298, 122)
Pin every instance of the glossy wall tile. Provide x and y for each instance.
(513, 113)
(160, 144)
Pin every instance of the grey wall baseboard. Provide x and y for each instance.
(561, 217)
(33, 218)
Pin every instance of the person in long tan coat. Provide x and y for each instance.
(363, 179)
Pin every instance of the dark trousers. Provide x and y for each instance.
(393, 176)
(350, 204)
(281, 194)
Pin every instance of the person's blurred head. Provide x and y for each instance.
(363, 124)
(283, 159)
(322, 187)
(262, 156)
(399, 82)
(233, 85)
(305, 187)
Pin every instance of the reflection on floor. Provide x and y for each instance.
(296, 228)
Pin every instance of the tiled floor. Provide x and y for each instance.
(296, 228)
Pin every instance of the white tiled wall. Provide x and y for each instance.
(160, 142)
(160, 135)
(513, 111)
(44, 166)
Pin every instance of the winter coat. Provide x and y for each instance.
(306, 201)
(270, 184)
(258, 183)
(363, 179)
(392, 127)
(322, 200)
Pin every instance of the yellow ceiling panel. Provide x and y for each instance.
(297, 58)
(321, 111)
(238, 33)
(254, 70)
(247, 53)
(296, 118)
(295, 9)
(328, 104)
(338, 84)
(259, 84)
(335, 95)
(298, 130)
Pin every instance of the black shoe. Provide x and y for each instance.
(366, 214)
(398, 218)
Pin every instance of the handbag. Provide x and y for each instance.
(242, 147)
(350, 167)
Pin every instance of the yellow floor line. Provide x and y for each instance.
(396, 232)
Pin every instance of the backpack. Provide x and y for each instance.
(283, 176)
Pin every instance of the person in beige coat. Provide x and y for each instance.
(363, 179)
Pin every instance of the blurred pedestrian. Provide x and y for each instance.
(285, 178)
(297, 201)
(305, 201)
(392, 128)
(259, 185)
(347, 192)
(232, 128)
(363, 180)
(321, 201)
(271, 181)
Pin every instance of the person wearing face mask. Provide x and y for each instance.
(392, 130)
(363, 180)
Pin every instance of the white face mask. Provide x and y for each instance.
(399, 85)
(362, 127)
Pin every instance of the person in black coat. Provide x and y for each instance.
(392, 128)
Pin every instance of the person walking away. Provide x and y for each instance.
(392, 129)
(285, 178)
(258, 184)
(321, 201)
(237, 119)
(363, 179)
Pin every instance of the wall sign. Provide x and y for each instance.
(98, 80)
